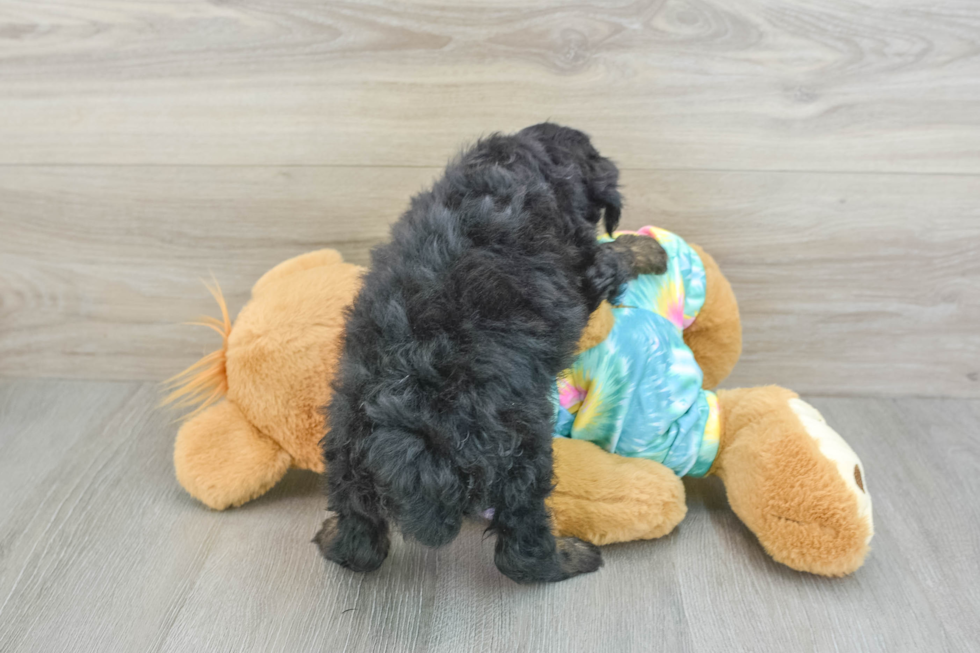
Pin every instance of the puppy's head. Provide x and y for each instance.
(566, 146)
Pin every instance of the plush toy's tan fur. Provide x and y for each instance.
(791, 479)
(802, 504)
(604, 498)
(223, 460)
(274, 371)
(599, 325)
(715, 337)
(807, 512)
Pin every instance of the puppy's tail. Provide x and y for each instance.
(206, 381)
(426, 491)
(430, 522)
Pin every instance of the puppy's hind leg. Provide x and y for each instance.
(526, 550)
(356, 536)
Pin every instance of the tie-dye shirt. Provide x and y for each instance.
(638, 392)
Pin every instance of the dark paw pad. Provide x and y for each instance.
(577, 557)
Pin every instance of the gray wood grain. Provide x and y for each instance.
(144, 145)
(716, 84)
(849, 284)
(101, 550)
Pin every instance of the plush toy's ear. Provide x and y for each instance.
(224, 461)
(319, 258)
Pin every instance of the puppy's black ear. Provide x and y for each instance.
(603, 188)
(610, 215)
(610, 200)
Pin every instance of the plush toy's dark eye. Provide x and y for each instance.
(857, 477)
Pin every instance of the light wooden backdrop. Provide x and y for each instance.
(827, 152)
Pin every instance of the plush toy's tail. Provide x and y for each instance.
(206, 381)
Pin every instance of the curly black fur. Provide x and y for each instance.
(441, 405)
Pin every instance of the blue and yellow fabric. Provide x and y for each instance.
(638, 393)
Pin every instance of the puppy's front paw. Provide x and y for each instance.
(649, 257)
(576, 556)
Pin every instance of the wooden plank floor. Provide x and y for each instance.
(100, 550)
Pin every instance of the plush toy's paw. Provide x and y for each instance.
(794, 482)
(222, 460)
(603, 498)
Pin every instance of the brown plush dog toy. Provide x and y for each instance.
(790, 478)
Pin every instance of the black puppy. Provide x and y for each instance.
(442, 402)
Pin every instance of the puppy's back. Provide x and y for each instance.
(454, 341)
